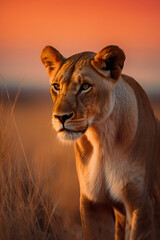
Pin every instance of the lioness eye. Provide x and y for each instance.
(56, 87)
(85, 86)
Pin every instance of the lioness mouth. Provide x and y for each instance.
(73, 131)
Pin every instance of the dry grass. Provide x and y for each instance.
(36, 182)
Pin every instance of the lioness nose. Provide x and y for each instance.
(63, 118)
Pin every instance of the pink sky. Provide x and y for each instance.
(74, 26)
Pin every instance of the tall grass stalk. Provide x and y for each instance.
(25, 212)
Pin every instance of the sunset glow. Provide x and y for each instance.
(73, 26)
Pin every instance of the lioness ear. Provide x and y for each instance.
(109, 58)
(52, 60)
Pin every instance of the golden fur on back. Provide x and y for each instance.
(117, 143)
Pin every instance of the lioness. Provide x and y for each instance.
(117, 143)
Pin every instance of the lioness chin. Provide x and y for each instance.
(117, 143)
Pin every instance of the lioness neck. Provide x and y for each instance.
(119, 128)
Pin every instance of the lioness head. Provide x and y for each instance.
(82, 88)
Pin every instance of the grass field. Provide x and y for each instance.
(39, 195)
(39, 192)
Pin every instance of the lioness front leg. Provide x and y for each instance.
(142, 222)
(97, 220)
(120, 224)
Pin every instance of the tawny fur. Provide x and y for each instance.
(117, 143)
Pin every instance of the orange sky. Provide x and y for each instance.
(73, 26)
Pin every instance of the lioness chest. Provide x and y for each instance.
(107, 175)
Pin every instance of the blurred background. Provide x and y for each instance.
(30, 154)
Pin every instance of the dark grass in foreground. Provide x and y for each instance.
(27, 209)
(24, 212)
